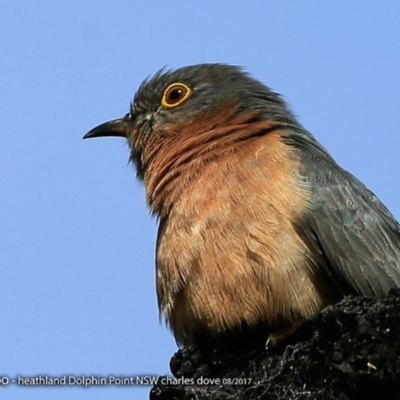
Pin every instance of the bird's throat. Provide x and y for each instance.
(172, 166)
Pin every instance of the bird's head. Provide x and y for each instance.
(192, 106)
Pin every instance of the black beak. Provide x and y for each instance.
(117, 127)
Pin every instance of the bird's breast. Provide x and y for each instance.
(228, 251)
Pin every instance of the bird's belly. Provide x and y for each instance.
(230, 254)
(230, 265)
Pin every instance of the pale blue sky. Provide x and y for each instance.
(77, 247)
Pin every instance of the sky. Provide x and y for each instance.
(77, 286)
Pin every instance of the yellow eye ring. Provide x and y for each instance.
(175, 94)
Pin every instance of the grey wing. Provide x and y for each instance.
(349, 228)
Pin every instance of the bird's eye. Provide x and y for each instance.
(175, 94)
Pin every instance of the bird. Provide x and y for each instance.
(258, 224)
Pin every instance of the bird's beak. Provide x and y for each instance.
(117, 127)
